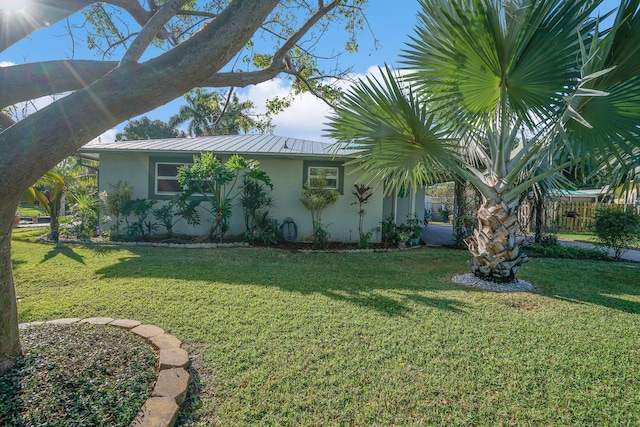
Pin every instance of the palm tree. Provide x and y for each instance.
(201, 112)
(208, 113)
(49, 191)
(505, 93)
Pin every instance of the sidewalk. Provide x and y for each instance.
(442, 235)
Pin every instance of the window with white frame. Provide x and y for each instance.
(166, 178)
(331, 175)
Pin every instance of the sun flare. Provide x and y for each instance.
(12, 5)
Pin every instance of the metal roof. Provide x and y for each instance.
(242, 144)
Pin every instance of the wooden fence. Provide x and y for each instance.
(563, 216)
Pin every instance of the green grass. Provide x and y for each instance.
(578, 237)
(585, 238)
(30, 211)
(283, 338)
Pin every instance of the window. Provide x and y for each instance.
(331, 175)
(166, 181)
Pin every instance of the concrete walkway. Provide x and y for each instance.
(442, 235)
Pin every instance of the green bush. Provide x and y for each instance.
(617, 229)
(315, 197)
(567, 252)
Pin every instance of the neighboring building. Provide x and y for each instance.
(150, 167)
(595, 195)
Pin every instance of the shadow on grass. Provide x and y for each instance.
(65, 251)
(359, 278)
(615, 285)
(68, 251)
(388, 283)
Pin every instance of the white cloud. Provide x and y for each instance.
(6, 64)
(307, 115)
(304, 119)
(108, 136)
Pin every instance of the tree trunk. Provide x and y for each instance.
(53, 215)
(10, 342)
(538, 207)
(495, 245)
(458, 211)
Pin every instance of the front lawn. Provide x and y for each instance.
(282, 338)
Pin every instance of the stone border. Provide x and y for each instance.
(221, 245)
(150, 244)
(356, 251)
(170, 391)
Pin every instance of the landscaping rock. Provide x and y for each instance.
(172, 383)
(157, 412)
(97, 320)
(165, 341)
(125, 323)
(173, 358)
(147, 331)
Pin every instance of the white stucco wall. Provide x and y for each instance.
(287, 178)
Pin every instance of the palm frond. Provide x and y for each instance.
(471, 56)
(395, 138)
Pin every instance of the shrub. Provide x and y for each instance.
(85, 212)
(115, 199)
(142, 228)
(256, 200)
(567, 252)
(617, 229)
(315, 198)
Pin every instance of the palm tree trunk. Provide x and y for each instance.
(9, 336)
(495, 245)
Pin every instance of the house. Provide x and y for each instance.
(150, 167)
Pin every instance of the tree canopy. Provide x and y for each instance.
(154, 52)
(506, 94)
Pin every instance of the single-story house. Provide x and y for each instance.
(150, 167)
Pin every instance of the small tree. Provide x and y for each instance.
(49, 191)
(115, 199)
(363, 193)
(256, 201)
(214, 182)
(617, 229)
(316, 197)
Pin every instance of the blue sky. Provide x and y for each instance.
(390, 22)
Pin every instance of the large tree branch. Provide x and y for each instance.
(30, 81)
(39, 14)
(278, 63)
(240, 79)
(37, 143)
(282, 52)
(5, 121)
(150, 30)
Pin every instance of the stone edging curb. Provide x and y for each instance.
(150, 244)
(170, 391)
(219, 245)
(355, 251)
